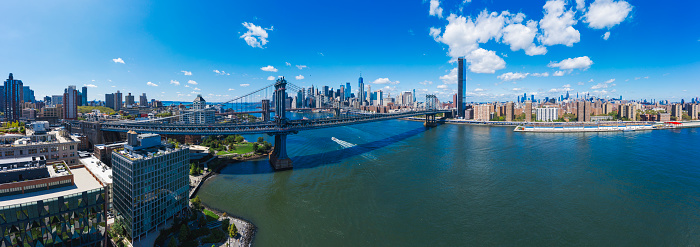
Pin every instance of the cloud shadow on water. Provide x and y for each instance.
(320, 159)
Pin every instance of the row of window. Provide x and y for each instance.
(3, 191)
(59, 182)
(40, 150)
(29, 187)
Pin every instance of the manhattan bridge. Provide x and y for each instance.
(264, 101)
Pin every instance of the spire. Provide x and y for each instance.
(11, 78)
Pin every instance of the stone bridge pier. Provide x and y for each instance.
(279, 160)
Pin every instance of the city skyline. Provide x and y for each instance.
(155, 49)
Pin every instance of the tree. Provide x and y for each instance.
(196, 203)
(261, 139)
(240, 139)
(172, 242)
(225, 224)
(232, 230)
(255, 147)
(183, 233)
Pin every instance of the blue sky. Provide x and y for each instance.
(651, 51)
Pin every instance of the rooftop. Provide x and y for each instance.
(99, 169)
(83, 182)
(147, 153)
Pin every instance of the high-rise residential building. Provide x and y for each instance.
(482, 112)
(109, 100)
(150, 183)
(199, 114)
(461, 87)
(118, 101)
(693, 111)
(84, 96)
(28, 94)
(14, 98)
(406, 98)
(528, 111)
(143, 100)
(129, 100)
(677, 111)
(361, 90)
(548, 114)
(368, 92)
(583, 111)
(510, 111)
(70, 103)
(56, 100)
(342, 93)
(628, 111)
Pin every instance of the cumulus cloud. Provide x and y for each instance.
(270, 78)
(545, 74)
(176, 83)
(426, 82)
(89, 85)
(562, 89)
(187, 85)
(186, 72)
(221, 72)
(580, 4)
(557, 25)
(582, 63)
(606, 35)
(256, 36)
(192, 82)
(385, 81)
(435, 32)
(485, 61)
(510, 76)
(301, 66)
(517, 89)
(269, 68)
(479, 90)
(299, 77)
(606, 84)
(231, 89)
(558, 73)
(118, 60)
(151, 84)
(435, 9)
(197, 89)
(450, 78)
(607, 13)
(244, 85)
(520, 36)
(443, 86)
(287, 63)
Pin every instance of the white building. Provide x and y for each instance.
(548, 114)
(199, 113)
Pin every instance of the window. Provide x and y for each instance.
(9, 153)
(72, 147)
(32, 151)
(43, 150)
(54, 149)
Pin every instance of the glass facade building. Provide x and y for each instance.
(150, 185)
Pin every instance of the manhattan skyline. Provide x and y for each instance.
(174, 51)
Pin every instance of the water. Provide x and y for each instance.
(457, 185)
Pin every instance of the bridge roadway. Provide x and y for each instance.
(271, 127)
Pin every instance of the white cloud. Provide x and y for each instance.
(518, 89)
(610, 81)
(580, 4)
(558, 73)
(435, 32)
(89, 85)
(270, 78)
(580, 83)
(485, 61)
(269, 68)
(606, 36)
(607, 13)
(301, 66)
(385, 81)
(510, 76)
(479, 90)
(151, 84)
(186, 72)
(426, 82)
(192, 82)
(244, 85)
(177, 83)
(187, 85)
(118, 60)
(287, 63)
(299, 77)
(221, 72)
(545, 74)
(582, 63)
(231, 89)
(564, 88)
(520, 36)
(557, 25)
(450, 78)
(462, 35)
(197, 89)
(443, 86)
(435, 9)
(256, 36)
(606, 84)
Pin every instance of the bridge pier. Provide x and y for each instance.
(430, 120)
(266, 110)
(278, 158)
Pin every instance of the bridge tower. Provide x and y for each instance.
(266, 110)
(278, 158)
(431, 102)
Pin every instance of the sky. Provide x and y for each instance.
(174, 50)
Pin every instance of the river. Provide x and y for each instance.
(463, 185)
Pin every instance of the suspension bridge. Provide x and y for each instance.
(198, 121)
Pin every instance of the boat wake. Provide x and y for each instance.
(345, 144)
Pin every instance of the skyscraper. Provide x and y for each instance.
(109, 100)
(14, 97)
(117, 101)
(348, 90)
(461, 87)
(361, 90)
(143, 101)
(84, 100)
(70, 103)
(129, 100)
(28, 94)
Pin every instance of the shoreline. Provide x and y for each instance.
(681, 125)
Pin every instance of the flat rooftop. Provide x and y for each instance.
(99, 169)
(84, 181)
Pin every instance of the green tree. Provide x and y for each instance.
(239, 139)
(183, 233)
(232, 231)
(255, 147)
(225, 224)
(261, 139)
(196, 203)
(172, 242)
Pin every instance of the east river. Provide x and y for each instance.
(462, 185)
